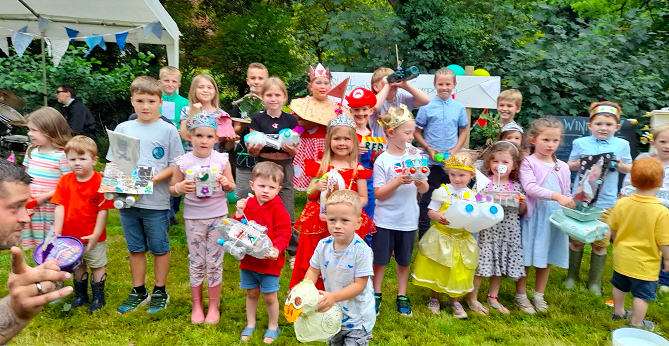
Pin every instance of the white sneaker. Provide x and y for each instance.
(291, 262)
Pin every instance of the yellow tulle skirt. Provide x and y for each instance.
(446, 261)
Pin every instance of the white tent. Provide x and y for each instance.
(93, 17)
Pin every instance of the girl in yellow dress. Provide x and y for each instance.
(447, 257)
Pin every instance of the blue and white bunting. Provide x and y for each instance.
(121, 39)
(21, 40)
(43, 24)
(92, 42)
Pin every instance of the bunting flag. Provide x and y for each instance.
(102, 43)
(147, 29)
(71, 33)
(92, 42)
(43, 24)
(121, 39)
(3, 45)
(58, 48)
(157, 29)
(133, 40)
(21, 40)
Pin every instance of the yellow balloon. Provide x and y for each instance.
(481, 73)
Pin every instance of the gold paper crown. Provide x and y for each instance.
(398, 116)
(457, 163)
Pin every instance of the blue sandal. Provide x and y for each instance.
(272, 334)
(248, 331)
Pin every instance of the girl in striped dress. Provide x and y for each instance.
(45, 162)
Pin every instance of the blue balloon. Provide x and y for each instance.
(457, 69)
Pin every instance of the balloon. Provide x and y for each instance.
(481, 73)
(459, 70)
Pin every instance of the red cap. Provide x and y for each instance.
(361, 97)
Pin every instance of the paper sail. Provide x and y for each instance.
(340, 90)
(138, 183)
(591, 176)
(481, 181)
(125, 151)
(248, 105)
(320, 112)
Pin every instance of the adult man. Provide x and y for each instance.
(29, 288)
(78, 116)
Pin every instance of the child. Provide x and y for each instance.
(436, 246)
(396, 212)
(346, 262)
(362, 102)
(389, 95)
(271, 121)
(201, 214)
(500, 248)
(312, 142)
(81, 212)
(145, 224)
(45, 162)
(203, 95)
(603, 124)
(546, 181)
(256, 74)
(441, 127)
(640, 231)
(262, 275)
(509, 103)
(513, 133)
(341, 154)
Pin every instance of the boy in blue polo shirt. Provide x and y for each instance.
(441, 127)
(603, 124)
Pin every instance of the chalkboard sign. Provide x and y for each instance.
(577, 127)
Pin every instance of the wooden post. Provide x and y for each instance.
(469, 71)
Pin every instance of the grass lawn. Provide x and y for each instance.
(575, 318)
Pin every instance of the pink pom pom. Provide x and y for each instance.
(299, 130)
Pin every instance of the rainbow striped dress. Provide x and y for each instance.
(45, 170)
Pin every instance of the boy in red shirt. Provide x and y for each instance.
(81, 212)
(262, 276)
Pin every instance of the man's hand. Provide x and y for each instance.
(326, 302)
(25, 299)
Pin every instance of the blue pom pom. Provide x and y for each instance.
(221, 242)
(493, 210)
(469, 208)
(244, 221)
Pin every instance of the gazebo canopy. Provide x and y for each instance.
(94, 17)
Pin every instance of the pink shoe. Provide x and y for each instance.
(197, 316)
(213, 315)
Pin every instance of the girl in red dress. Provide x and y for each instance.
(341, 156)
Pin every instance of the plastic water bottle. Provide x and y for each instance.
(461, 213)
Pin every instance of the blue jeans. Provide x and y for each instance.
(175, 203)
(146, 229)
(664, 277)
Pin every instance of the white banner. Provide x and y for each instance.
(472, 91)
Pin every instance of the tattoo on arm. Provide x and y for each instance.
(10, 324)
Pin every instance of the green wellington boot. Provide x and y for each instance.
(597, 264)
(574, 267)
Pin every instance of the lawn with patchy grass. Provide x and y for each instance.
(575, 318)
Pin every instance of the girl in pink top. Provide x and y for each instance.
(546, 181)
(204, 205)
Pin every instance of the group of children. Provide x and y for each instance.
(379, 199)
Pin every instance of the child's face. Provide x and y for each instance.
(265, 189)
(514, 137)
(170, 82)
(203, 139)
(444, 85)
(361, 114)
(320, 87)
(341, 142)
(402, 134)
(507, 109)
(342, 222)
(603, 127)
(502, 158)
(459, 177)
(274, 98)
(205, 91)
(547, 142)
(146, 106)
(36, 136)
(255, 77)
(661, 143)
(81, 165)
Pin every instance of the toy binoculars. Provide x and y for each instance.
(404, 75)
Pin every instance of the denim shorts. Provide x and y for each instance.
(249, 279)
(641, 289)
(146, 229)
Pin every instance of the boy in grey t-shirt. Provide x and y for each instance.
(146, 223)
